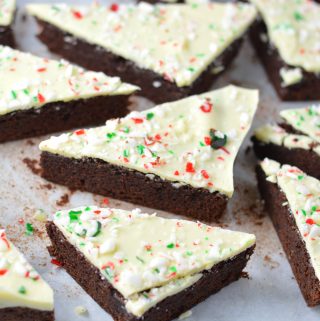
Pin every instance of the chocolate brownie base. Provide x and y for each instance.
(153, 86)
(103, 178)
(6, 37)
(60, 116)
(290, 237)
(307, 89)
(307, 160)
(25, 314)
(91, 280)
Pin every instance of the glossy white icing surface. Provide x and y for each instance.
(173, 140)
(178, 41)
(146, 257)
(306, 121)
(20, 284)
(293, 28)
(7, 9)
(32, 82)
(303, 195)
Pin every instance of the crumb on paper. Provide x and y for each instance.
(80, 310)
(64, 200)
(185, 315)
(40, 215)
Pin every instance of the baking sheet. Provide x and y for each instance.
(270, 293)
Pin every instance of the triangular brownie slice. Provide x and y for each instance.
(7, 12)
(39, 96)
(169, 51)
(142, 266)
(177, 156)
(24, 295)
(286, 39)
(292, 200)
(295, 141)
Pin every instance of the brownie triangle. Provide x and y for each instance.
(177, 41)
(21, 287)
(191, 142)
(146, 258)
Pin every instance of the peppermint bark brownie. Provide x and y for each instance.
(40, 96)
(144, 267)
(7, 12)
(176, 157)
(295, 141)
(169, 51)
(292, 200)
(24, 295)
(286, 39)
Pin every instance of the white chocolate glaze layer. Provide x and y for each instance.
(275, 134)
(146, 257)
(32, 82)
(7, 8)
(178, 41)
(303, 195)
(20, 284)
(306, 121)
(173, 140)
(293, 28)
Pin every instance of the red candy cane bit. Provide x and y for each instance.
(207, 140)
(190, 168)
(310, 221)
(137, 120)
(80, 132)
(176, 173)
(56, 262)
(41, 98)
(77, 14)
(108, 265)
(114, 7)
(97, 212)
(225, 150)
(3, 272)
(205, 174)
(206, 107)
(105, 201)
(148, 141)
(41, 69)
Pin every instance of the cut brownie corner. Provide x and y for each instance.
(108, 293)
(307, 89)
(276, 204)
(307, 160)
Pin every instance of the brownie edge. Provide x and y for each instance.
(153, 86)
(25, 314)
(59, 116)
(99, 177)
(113, 302)
(307, 160)
(7, 37)
(307, 89)
(290, 237)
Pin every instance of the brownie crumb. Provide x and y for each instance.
(245, 275)
(30, 142)
(46, 186)
(33, 165)
(270, 262)
(64, 200)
